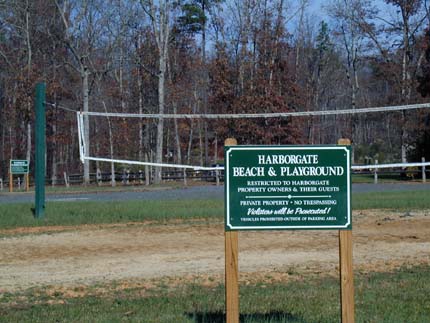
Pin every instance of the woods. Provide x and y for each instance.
(211, 56)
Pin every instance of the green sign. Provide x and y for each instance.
(287, 187)
(19, 166)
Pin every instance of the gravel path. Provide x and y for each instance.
(383, 240)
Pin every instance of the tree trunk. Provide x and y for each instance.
(85, 94)
(54, 155)
(200, 142)
(29, 67)
(140, 105)
(160, 125)
(11, 143)
(112, 165)
(205, 86)
(147, 156)
(53, 145)
(28, 154)
(2, 147)
(160, 23)
(191, 135)
(177, 138)
(300, 40)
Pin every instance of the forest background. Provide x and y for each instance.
(212, 56)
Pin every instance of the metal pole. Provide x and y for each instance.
(40, 151)
(423, 170)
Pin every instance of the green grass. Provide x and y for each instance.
(108, 188)
(383, 178)
(85, 212)
(105, 188)
(401, 296)
(76, 213)
(401, 200)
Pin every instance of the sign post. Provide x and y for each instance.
(288, 188)
(19, 167)
(231, 267)
(346, 268)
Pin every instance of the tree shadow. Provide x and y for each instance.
(272, 317)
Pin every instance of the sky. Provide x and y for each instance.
(316, 7)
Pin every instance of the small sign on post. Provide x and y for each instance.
(19, 167)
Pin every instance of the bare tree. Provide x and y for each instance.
(19, 15)
(159, 15)
(344, 13)
(395, 36)
(81, 35)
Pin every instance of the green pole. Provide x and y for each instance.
(40, 150)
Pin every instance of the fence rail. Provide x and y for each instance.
(413, 171)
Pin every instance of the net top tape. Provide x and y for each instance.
(259, 115)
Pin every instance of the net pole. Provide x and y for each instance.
(81, 153)
(84, 144)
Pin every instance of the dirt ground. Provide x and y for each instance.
(61, 256)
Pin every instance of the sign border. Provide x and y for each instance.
(230, 227)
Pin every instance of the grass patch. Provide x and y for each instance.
(386, 177)
(401, 296)
(87, 212)
(108, 188)
(402, 200)
(92, 188)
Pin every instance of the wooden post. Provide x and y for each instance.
(10, 182)
(375, 174)
(231, 268)
(423, 170)
(98, 177)
(66, 181)
(346, 276)
(184, 172)
(346, 272)
(27, 182)
(231, 277)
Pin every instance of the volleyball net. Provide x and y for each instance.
(84, 150)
